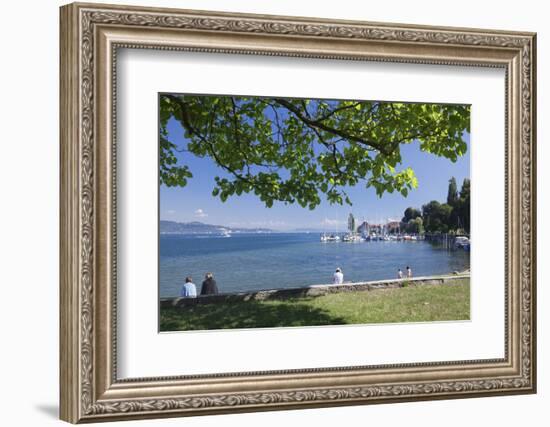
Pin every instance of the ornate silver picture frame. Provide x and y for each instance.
(91, 390)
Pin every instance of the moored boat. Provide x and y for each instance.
(352, 238)
(330, 238)
(462, 242)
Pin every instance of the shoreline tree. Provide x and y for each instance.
(297, 150)
(460, 202)
(436, 216)
(452, 193)
(464, 205)
(415, 225)
(410, 213)
(439, 217)
(453, 202)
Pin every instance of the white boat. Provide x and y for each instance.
(352, 238)
(462, 242)
(330, 238)
(226, 233)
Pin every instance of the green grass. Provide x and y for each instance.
(408, 304)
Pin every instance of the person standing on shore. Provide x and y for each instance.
(209, 286)
(189, 290)
(399, 274)
(409, 272)
(338, 277)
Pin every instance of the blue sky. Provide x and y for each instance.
(196, 203)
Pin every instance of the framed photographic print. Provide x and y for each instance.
(266, 212)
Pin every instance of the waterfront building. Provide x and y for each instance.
(393, 227)
(351, 223)
(364, 228)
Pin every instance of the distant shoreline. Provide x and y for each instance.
(197, 227)
(247, 232)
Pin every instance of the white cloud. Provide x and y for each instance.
(328, 221)
(199, 213)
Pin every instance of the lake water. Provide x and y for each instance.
(246, 262)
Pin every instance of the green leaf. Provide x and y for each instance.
(269, 146)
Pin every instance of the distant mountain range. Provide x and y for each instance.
(196, 227)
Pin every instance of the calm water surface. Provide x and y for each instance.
(245, 262)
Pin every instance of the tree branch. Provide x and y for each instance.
(319, 125)
(192, 131)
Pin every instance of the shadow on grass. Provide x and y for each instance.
(246, 314)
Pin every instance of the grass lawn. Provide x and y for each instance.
(409, 304)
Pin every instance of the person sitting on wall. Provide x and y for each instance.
(338, 277)
(189, 290)
(209, 286)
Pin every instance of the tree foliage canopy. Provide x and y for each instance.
(296, 150)
(452, 194)
(444, 217)
(463, 205)
(436, 216)
(415, 225)
(410, 213)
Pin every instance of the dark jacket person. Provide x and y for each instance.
(209, 286)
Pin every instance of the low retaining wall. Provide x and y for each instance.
(310, 291)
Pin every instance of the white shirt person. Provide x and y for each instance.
(338, 277)
(409, 272)
(189, 290)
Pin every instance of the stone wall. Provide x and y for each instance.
(311, 291)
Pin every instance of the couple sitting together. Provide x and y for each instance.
(209, 287)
